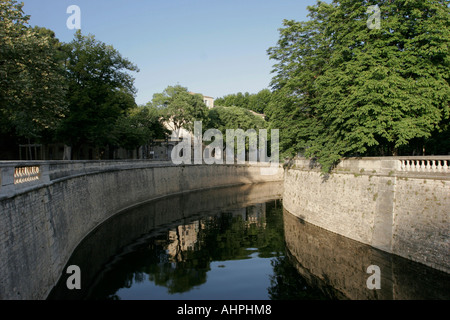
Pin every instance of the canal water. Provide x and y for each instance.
(235, 243)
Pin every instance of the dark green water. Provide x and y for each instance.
(234, 243)
(228, 255)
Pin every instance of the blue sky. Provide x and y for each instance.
(214, 47)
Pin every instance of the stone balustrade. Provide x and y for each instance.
(22, 176)
(425, 164)
(26, 174)
(401, 166)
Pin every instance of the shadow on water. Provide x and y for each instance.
(327, 260)
(234, 243)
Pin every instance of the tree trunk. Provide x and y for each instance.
(29, 149)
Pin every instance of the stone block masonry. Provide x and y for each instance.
(48, 208)
(400, 205)
(397, 204)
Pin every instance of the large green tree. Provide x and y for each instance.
(180, 108)
(234, 100)
(32, 83)
(257, 102)
(138, 127)
(223, 118)
(302, 52)
(101, 90)
(362, 90)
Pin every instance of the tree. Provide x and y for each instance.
(100, 92)
(372, 88)
(302, 52)
(223, 118)
(234, 100)
(138, 127)
(32, 86)
(258, 102)
(180, 107)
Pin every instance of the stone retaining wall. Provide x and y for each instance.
(47, 209)
(397, 205)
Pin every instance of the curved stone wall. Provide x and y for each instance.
(54, 205)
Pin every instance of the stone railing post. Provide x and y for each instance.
(45, 173)
(389, 165)
(7, 180)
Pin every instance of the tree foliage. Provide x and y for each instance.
(180, 107)
(138, 127)
(223, 118)
(257, 102)
(32, 86)
(80, 93)
(345, 89)
(101, 90)
(302, 52)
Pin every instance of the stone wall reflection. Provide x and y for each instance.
(338, 265)
(142, 222)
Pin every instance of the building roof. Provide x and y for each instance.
(202, 95)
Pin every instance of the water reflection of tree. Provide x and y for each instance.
(287, 284)
(177, 278)
(226, 236)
